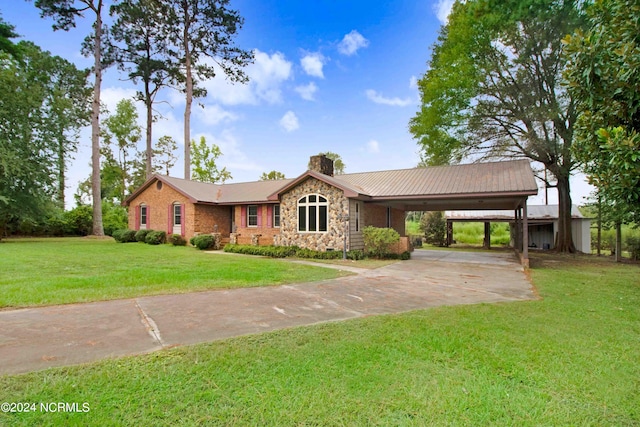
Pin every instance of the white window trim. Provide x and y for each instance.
(307, 204)
(143, 225)
(273, 218)
(179, 215)
(249, 216)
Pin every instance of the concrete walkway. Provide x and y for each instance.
(38, 338)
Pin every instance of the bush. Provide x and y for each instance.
(79, 221)
(269, 251)
(633, 246)
(141, 235)
(203, 241)
(177, 240)
(124, 235)
(434, 227)
(311, 254)
(156, 237)
(114, 217)
(377, 241)
(355, 255)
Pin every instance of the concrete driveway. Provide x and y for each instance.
(38, 338)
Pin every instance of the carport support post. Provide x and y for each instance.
(487, 235)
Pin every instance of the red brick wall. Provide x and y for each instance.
(376, 215)
(158, 202)
(245, 233)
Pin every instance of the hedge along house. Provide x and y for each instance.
(320, 211)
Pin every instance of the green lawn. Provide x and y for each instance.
(57, 271)
(570, 358)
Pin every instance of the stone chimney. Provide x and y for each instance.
(322, 164)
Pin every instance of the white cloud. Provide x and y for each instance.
(266, 76)
(373, 146)
(394, 102)
(213, 114)
(308, 91)
(351, 43)
(289, 121)
(312, 64)
(442, 9)
(413, 82)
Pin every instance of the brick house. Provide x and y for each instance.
(316, 209)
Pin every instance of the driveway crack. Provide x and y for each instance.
(150, 325)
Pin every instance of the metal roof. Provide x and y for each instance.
(534, 212)
(494, 185)
(475, 178)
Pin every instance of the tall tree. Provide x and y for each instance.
(604, 77)
(204, 159)
(493, 90)
(121, 131)
(271, 176)
(65, 12)
(144, 54)
(38, 123)
(164, 154)
(7, 32)
(201, 29)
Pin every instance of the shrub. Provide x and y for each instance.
(434, 226)
(377, 241)
(156, 237)
(405, 255)
(177, 240)
(311, 254)
(269, 251)
(124, 235)
(114, 217)
(141, 235)
(203, 241)
(355, 255)
(79, 221)
(633, 246)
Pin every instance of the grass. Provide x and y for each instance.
(57, 271)
(570, 358)
(470, 233)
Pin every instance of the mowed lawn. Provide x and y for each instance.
(570, 358)
(57, 271)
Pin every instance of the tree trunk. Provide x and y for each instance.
(98, 229)
(149, 150)
(189, 97)
(61, 173)
(565, 240)
(618, 242)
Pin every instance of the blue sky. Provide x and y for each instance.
(328, 76)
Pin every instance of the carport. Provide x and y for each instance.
(504, 185)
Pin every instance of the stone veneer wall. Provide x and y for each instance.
(338, 205)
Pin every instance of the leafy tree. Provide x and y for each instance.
(434, 226)
(203, 160)
(164, 154)
(493, 90)
(273, 175)
(121, 131)
(338, 164)
(7, 32)
(65, 12)
(197, 30)
(144, 54)
(37, 123)
(603, 75)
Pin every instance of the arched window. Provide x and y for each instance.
(312, 214)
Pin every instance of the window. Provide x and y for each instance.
(276, 215)
(252, 216)
(313, 214)
(388, 217)
(177, 214)
(143, 217)
(357, 216)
